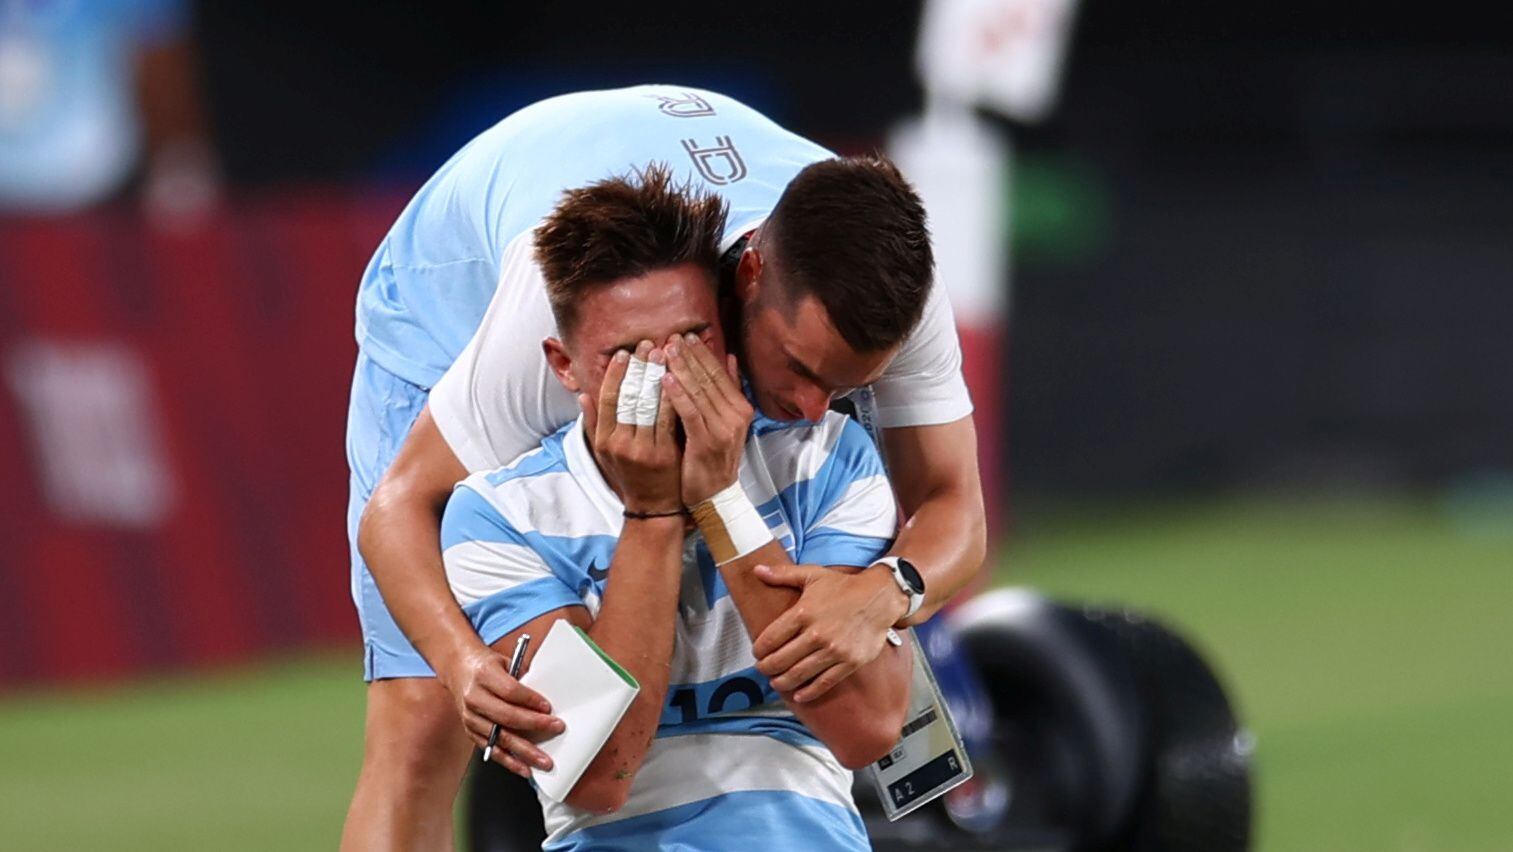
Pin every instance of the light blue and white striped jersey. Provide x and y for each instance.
(730, 767)
(427, 286)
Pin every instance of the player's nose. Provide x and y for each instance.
(811, 402)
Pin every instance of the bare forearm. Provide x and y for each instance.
(635, 627)
(935, 474)
(946, 540)
(757, 602)
(399, 538)
(876, 691)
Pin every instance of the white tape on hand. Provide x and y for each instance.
(630, 391)
(651, 394)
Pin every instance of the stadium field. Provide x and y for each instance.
(1364, 639)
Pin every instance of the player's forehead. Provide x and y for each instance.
(676, 300)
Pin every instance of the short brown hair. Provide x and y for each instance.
(851, 231)
(624, 227)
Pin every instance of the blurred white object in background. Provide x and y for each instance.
(96, 439)
(1004, 55)
(960, 166)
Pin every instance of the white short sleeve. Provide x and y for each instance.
(499, 398)
(924, 386)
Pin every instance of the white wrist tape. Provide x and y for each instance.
(640, 393)
(731, 525)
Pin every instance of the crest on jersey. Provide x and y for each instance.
(720, 164)
(689, 105)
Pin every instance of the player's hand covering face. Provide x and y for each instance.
(631, 429)
(715, 414)
(606, 358)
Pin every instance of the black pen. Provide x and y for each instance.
(517, 660)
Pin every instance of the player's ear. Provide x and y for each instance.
(748, 275)
(560, 362)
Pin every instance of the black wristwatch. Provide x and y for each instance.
(908, 579)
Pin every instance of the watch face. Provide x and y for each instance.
(911, 575)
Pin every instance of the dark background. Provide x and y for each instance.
(1257, 245)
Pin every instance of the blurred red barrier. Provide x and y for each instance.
(172, 411)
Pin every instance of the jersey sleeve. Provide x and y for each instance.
(923, 386)
(498, 579)
(499, 399)
(850, 516)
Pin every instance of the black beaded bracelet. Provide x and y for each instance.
(640, 516)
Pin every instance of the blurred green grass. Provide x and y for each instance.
(261, 758)
(1366, 641)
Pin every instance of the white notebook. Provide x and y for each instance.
(588, 691)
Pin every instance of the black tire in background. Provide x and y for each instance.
(1068, 720)
(1196, 795)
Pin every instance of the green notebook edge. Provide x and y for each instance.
(624, 675)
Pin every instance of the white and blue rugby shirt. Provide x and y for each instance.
(730, 767)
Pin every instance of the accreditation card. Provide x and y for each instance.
(929, 758)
